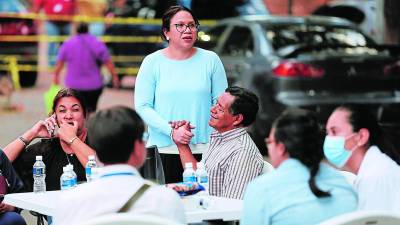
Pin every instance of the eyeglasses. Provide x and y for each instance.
(181, 28)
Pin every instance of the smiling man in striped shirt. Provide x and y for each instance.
(232, 159)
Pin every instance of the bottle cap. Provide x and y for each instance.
(188, 165)
(65, 169)
(91, 157)
(70, 166)
(200, 165)
(39, 157)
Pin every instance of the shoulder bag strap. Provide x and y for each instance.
(82, 40)
(134, 198)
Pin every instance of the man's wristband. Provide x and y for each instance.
(23, 140)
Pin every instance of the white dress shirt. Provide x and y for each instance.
(378, 182)
(107, 194)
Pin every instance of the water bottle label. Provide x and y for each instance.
(189, 179)
(88, 171)
(74, 182)
(38, 171)
(203, 179)
(66, 184)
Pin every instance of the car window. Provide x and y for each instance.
(239, 43)
(209, 39)
(283, 35)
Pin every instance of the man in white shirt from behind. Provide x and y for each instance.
(116, 135)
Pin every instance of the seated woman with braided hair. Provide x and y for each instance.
(302, 189)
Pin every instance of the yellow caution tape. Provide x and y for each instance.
(13, 68)
(119, 58)
(106, 39)
(87, 19)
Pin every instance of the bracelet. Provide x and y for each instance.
(72, 140)
(23, 140)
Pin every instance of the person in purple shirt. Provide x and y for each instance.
(84, 55)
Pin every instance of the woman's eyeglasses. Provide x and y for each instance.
(181, 28)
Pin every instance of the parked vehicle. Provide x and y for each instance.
(26, 53)
(311, 62)
(361, 12)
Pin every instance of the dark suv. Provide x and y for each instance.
(309, 62)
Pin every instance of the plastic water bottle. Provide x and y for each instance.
(39, 175)
(66, 179)
(202, 176)
(189, 174)
(73, 175)
(90, 172)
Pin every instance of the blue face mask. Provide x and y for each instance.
(335, 152)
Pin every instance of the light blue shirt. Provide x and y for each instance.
(169, 90)
(283, 197)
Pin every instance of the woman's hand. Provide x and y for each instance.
(44, 128)
(68, 130)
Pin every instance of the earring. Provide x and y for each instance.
(167, 38)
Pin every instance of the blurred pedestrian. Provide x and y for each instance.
(55, 8)
(179, 82)
(84, 55)
(93, 9)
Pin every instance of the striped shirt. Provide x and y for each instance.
(232, 161)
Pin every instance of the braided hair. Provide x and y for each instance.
(298, 130)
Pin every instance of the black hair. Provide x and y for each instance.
(68, 92)
(112, 133)
(245, 103)
(83, 28)
(361, 117)
(171, 11)
(298, 130)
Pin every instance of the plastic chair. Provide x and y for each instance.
(267, 168)
(365, 218)
(152, 168)
(129, 219)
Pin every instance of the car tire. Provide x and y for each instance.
(27, 78)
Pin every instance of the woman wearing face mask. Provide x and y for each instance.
(63, 141)
(356, 143)
(179, 82)
(301, 190)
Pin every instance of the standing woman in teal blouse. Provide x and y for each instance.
(179, 82)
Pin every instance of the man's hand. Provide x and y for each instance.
(6, 208)
(181, 134)
(179, 123)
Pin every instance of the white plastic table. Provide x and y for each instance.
(219, 208)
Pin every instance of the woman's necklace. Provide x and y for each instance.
(71, 154)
